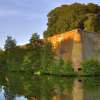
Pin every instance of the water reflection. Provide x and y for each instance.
(1, 94)
(77, 90)
(26, 86)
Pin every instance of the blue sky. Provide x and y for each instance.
(20, 18)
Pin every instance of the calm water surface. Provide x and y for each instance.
(25, 86)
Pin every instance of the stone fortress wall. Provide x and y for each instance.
(76, 45)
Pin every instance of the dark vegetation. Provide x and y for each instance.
(37, 57)
(18, 84)
(91, 67)
(46, 87)
(68, 17)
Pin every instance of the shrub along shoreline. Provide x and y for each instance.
(39, 58)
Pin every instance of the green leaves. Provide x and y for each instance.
(34, 38)
(68, 17)
(91, 67)
(10, 43)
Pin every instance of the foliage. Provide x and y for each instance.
(91, 83)
(14, 58)
(39, 57)
(62, 67)
(68, 68)
(34, 38)
(32, 58)
(47, 54)
(91, 24)
(18, 84)
(2, 59)
(68, 17)
(10, 43)
(91, 67)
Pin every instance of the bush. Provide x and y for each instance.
(68, 68)
(62, 67)
(91, 67)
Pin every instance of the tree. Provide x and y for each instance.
(90, 23)
(34, 52)
(68, 17)
(2, 59)
(34, 38)
(93, 8)
(9, 43)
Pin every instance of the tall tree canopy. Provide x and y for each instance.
(68, 17)
(9, 43)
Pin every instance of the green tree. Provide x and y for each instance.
(26, 64)
(34, 38)
(34, 52)
(68, 17)
(14, 58)
(9, 43)
(91, 23)
(2, 59)
(93, 8)
(68, 68)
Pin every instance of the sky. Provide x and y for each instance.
(21, 18)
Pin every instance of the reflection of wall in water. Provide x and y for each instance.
(77, 93)
(66, 96)
(62, 95)
(32, 98)
(92, 95)
(77, 90)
